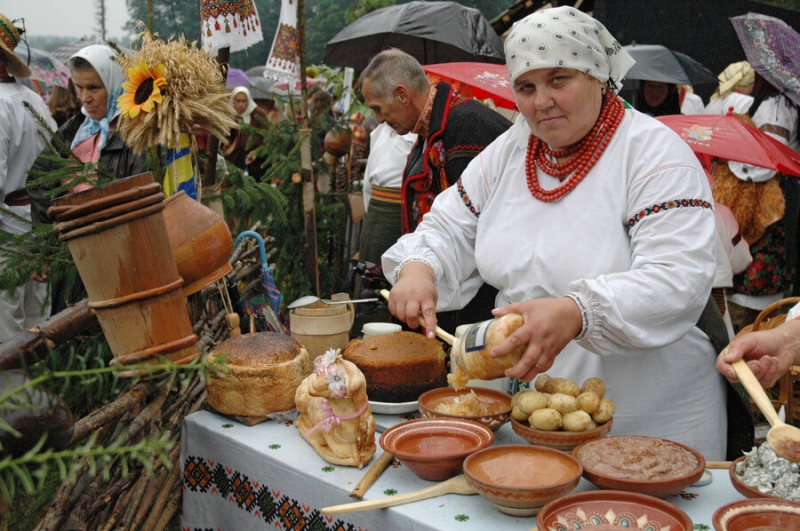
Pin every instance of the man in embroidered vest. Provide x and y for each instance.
(451, 131)
(20, 144)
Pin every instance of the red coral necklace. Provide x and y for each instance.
(583, 155)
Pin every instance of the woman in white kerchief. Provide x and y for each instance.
(595, 223)
(92, 137)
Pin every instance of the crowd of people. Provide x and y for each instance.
(582, 213)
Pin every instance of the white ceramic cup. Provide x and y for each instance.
(374, 329)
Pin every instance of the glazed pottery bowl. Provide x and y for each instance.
(611, 509)
(746, 490)
(435, 448)
(653, 453)
(559, 440)
(757, 514)
(519, 479)
(496, 403)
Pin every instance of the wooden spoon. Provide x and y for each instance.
(455, 485)
(782, 437)
(450, 339)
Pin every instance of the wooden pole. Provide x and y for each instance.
(301, 35)
(309, 187)
(212, 145)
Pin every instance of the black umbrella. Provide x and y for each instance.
(433, 32)
(655, 62)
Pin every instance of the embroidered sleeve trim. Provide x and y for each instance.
(470, 148)
(416, 257)
(668, 205)
(776, 130)
(577, 297)
(465, 198)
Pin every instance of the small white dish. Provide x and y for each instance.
(391, 408)
(705, 479)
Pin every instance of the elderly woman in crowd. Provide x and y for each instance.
(92, 137)
(595, 223)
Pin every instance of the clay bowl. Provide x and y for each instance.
(745, 490)
(435, 448)
(560, 440)
(628, 510)
(497, 404)
(200, 240)
(660, 487)
(519, 479)
(763, 513)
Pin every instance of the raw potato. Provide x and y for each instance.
(540, 382)
(589, 402)
(530, 401)
(515, 399)
(562, 385)
(545, 419)
(604, 414)
(518, 414)
(594, 385)
(562, 403)
(576, 421)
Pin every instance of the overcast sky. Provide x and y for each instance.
(67, 18)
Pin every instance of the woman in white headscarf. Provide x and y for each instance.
(91, 136)
(595, 222)
(240, 150)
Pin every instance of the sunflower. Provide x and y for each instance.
(142, 90)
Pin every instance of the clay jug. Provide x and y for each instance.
(200, 240)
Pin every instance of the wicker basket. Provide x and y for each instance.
(772, 316)
(782, 393)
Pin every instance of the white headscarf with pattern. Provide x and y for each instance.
(103, 60)
(565, 37)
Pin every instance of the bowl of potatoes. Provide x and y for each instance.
(560, 414)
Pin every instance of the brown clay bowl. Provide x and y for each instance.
(435, 448)
(755, 514)
(519, 479)
(497, 403)
(746, 490)
(660, 487)
(559, 440)
(627, 510)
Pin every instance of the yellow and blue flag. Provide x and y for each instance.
(180, 174)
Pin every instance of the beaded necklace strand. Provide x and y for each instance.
(583, 155)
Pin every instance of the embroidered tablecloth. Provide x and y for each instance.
(238, 477)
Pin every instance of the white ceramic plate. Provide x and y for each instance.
(391, 408)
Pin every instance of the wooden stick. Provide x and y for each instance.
(372, 474)
(163, 495)
(30, 345)
(170, 509)
(445, 336)
(110, 412)
(718, 465)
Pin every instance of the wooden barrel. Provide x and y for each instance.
(319, 327)
(118, 239)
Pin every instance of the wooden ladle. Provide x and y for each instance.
(454, 485)
(782, 437)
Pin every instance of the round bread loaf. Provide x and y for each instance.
(399, 366)
(263, 371)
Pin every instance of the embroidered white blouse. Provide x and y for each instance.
(634, 242)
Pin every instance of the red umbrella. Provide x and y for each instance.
(485, 80)
(726, 137)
